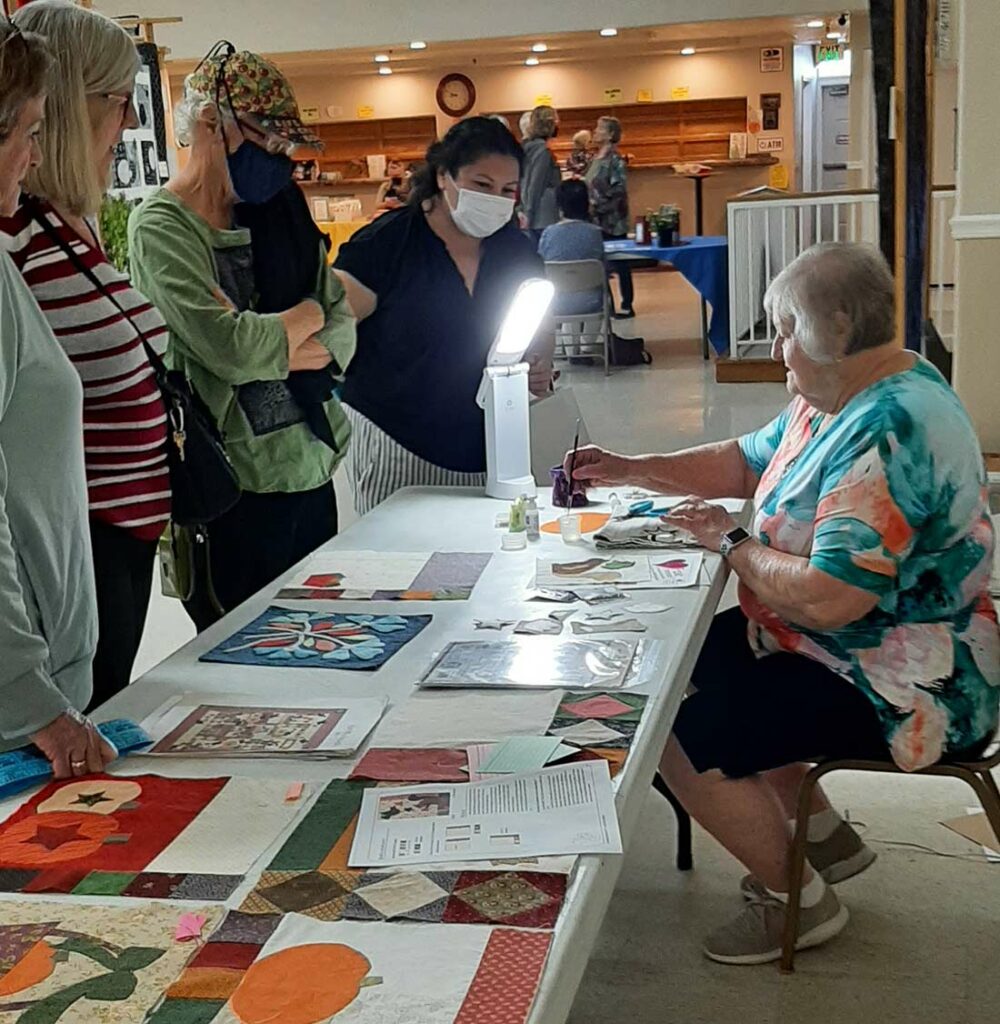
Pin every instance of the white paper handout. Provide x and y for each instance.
(627, 570)
(229, 725)
(532, 661)
(568, 809)
(456, 719)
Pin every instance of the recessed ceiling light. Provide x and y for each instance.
(687, 51)
(381, 58)
(833, 35)
(532, 62)
(609, 32)
(815, 23)
(385, 71)
(539, 48)
(418, 44)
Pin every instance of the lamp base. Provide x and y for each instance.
(510, 490)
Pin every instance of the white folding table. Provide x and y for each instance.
(448, 519)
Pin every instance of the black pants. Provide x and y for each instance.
(624, 272)
(752, 714)
(258, 539)
(123, 567)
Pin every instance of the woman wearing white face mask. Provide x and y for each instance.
(430, 285)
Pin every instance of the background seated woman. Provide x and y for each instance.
(865, 627)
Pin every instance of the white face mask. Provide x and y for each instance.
(479, 214)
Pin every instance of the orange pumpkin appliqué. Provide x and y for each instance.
(54, 838)
(35, 966)
(301, 985)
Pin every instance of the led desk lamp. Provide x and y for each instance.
(504, 393)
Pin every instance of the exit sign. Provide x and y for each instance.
(828, 51)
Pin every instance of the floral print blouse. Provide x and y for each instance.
(607, 180)
(889, 495)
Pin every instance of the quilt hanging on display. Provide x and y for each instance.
(296, 970)
(309, 875)
(71, 964)
(144, 836)
(291, 639)
(387, 576)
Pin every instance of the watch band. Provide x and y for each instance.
(732, 540)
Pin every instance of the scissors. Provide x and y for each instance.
(645, 508)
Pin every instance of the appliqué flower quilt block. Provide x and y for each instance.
(98, 964)
(295, 639)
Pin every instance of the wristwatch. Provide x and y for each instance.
(732, 539)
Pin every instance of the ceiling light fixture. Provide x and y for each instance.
(539, 48)
(381, 58)
(688, 51)
(815, 23)
(609, 32)
(532, 62)
(833, 35)
(385, 71)
(418, 44)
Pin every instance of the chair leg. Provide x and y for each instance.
(989, 797)
(796, 869)
(685, 859)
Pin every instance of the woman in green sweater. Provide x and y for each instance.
(261, 334)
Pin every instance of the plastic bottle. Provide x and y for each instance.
(531, 518)
(517, 515)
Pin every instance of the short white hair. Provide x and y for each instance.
(524, 124)
(189, 110)
(831, 278)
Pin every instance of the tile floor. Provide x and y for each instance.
(922, 944)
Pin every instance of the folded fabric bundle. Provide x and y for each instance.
(641, 532)
(25, 767)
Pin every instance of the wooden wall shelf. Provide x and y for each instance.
(660, 134)
(349, 142)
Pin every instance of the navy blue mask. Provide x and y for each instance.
(258, 176)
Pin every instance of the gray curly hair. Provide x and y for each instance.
(190, 108)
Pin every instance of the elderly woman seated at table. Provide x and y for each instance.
(865, 627)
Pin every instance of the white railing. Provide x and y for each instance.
(943, 270)
(765, 235)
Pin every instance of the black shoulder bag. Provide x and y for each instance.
(203, 482)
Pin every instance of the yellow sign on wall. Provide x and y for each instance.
(612, 95)
(365, 112)
(680, 92)
(543, 99)
(644, 96)
(310, 115)
(777, 176)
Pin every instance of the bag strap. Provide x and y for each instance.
(31, 205)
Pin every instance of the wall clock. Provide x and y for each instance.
(456, 95)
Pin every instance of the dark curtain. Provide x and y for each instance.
(917, 141)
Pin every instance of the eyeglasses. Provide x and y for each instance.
(122, 98)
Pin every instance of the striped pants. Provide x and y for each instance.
(377, 466)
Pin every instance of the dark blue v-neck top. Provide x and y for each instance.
(421, 354)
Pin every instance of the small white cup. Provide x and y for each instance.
(569, 528)
(513, 542)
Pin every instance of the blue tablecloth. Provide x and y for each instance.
(704, 262)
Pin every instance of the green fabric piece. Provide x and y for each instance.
(306, 848)
(104, 883)
(187, 1011)
(173, 264)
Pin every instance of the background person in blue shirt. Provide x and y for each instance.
(430, 285)
(573, 238)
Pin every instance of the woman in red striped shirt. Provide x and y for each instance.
(99, 319)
